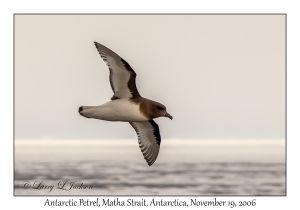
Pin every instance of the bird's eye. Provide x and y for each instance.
(160, 108)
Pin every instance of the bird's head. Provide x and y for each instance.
(159, 110)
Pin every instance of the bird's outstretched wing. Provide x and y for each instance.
(122, 76)
(148, 138)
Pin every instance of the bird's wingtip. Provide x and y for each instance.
(149, 164)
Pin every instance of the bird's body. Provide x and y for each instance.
(116, 110)
(128, 106)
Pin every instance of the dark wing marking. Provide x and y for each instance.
(121, 77)
(148, 138)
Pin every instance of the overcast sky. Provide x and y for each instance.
(220, 76)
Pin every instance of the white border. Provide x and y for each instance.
(154, 6)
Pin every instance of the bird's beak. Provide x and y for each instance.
(168, 115)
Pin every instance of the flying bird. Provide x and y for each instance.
(127, 105)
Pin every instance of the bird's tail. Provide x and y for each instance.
(83, 111)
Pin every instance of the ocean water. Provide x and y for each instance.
(116, 167)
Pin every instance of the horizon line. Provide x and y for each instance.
(130, 142)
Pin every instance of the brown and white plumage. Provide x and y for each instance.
(128, 106)
(149, 139)
(122, 76)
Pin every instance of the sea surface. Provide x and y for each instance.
(117, 167)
